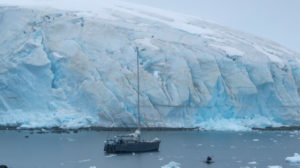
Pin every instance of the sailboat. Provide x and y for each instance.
(132, 142)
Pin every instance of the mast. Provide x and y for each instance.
(138, 87)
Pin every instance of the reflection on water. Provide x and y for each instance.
(187, 148)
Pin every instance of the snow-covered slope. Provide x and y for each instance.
(75, 66)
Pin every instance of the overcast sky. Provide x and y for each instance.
(277, 20)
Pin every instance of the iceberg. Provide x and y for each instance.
(293, 159)
(274, 166)
(171, 164)
(70, 65)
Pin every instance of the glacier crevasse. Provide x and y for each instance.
(73, 69)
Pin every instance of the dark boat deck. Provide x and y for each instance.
(129, 147)
(130, 143)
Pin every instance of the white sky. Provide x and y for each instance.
(277, 20)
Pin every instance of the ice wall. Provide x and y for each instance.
(78, 69)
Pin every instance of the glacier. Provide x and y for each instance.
(74, 65)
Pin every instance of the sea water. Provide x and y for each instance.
(188, 149)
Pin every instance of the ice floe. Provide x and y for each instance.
(293, 159)
(274, 166)
(171, 164)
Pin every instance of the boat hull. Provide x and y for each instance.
(132, 147)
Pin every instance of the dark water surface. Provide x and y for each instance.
(189, 148)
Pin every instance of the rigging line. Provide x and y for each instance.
(138, 85)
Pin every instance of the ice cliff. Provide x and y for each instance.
(68, 67)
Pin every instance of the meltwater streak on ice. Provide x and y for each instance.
(75, 67)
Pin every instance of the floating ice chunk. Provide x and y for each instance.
(252, 163)
(84, 160)
(293, 159)
(70, 139)
(172, 164)
(232, 147)
(255, 140)
(295, 132)
(93, 167)
(274, 166)
(110, 155)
